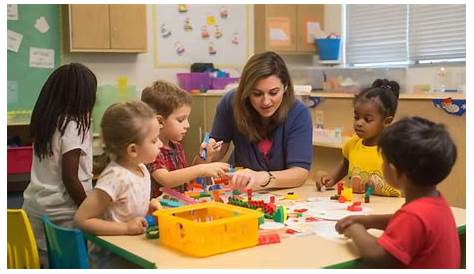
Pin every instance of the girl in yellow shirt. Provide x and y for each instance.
(374, 110)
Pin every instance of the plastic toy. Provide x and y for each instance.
(340, 187)
(265, 239)
(291, 196)
(208, 228)
(205, 141)
(178, 195)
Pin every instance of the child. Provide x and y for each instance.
(418, 154)
(120, 199)
(61, 172)
(173, 106)
(374, 109)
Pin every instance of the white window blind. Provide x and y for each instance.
(437, 32)
(376, 34)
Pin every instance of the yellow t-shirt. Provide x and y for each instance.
(365, 162)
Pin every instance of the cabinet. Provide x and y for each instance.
(284, 28)
(107, 28)
(200, 121)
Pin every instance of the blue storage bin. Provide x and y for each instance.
(328, 48)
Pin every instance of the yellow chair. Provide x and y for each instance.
(22, 250)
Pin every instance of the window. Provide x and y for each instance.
(405, 34)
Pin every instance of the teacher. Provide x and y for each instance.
(271, 130)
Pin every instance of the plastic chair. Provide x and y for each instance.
(22, 249)
(66, 246)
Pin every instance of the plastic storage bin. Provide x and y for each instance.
(19, 159)
(194, 80)
(206, 229)
(222, 82)
(328, 48)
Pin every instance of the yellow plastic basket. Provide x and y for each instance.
(208, 228)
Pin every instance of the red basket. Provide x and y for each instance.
(19, 159)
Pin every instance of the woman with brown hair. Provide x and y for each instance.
(271, 130)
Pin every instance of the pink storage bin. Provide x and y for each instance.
(194, 80)
(19, 159)
(221, 83)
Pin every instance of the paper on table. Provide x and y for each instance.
(14, 40)
(311, 30)
(42, 25)
(41, 58)
(12, 12)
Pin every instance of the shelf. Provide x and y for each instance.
(328, 145)
(403, 96)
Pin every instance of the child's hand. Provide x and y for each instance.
(325, 181)
(136, 226)
(212, 149)
(154, 205)
(216, 169)
(344, 223)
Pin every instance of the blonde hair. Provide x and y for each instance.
(122, 124)
(165, 97)
(247, 119)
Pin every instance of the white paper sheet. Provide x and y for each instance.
(278, 35)
(311, 29)
(12, 12)
(14, 40)
(12, 92)
(41, 58)
(42, 25)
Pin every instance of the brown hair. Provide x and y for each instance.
(122, 124)
(247, 119)
(165, 97)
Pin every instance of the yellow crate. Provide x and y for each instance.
(208, 228)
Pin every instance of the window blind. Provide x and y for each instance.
(437, 32)
(376, 34)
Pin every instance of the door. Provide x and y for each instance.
(280, 27)
(128, 27)
(307, 17)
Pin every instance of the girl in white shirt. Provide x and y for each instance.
(61, 172)
(121, 197)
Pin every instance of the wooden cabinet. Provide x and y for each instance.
(283, 28)
(107, 28)
(201, 119)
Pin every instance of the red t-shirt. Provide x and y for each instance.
(170, 158)
(264, 147)
(423, 234)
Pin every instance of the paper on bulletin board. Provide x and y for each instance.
(312, 28)
(279, 31)
(12, 12)
(12, 92)
(42, 25)
(14, 40)
(41, 58)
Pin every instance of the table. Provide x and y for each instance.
(297, 252)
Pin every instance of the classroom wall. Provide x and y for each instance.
(139, 68)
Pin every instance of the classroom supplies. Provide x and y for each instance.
(203, 152)
(208, 228)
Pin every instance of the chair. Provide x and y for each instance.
(22, 249)
(66, 246)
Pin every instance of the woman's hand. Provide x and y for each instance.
(136, 226)
(249, 179)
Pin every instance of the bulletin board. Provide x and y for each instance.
(180, 35)
(25, 81)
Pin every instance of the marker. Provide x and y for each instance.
(204, 150)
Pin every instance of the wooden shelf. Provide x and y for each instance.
(403, 96)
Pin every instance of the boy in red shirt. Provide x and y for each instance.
(418, 154)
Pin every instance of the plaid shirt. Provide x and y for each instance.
(170, 158)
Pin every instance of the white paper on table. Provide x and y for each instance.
(42, 25)
(12, 92)
(12, 12)
(278, 35)
(311, 29)
(14, 40)
(41, 58)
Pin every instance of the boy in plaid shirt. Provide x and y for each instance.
(173, 107)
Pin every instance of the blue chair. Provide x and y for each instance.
(66, 247)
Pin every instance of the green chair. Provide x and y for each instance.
(66, 246)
